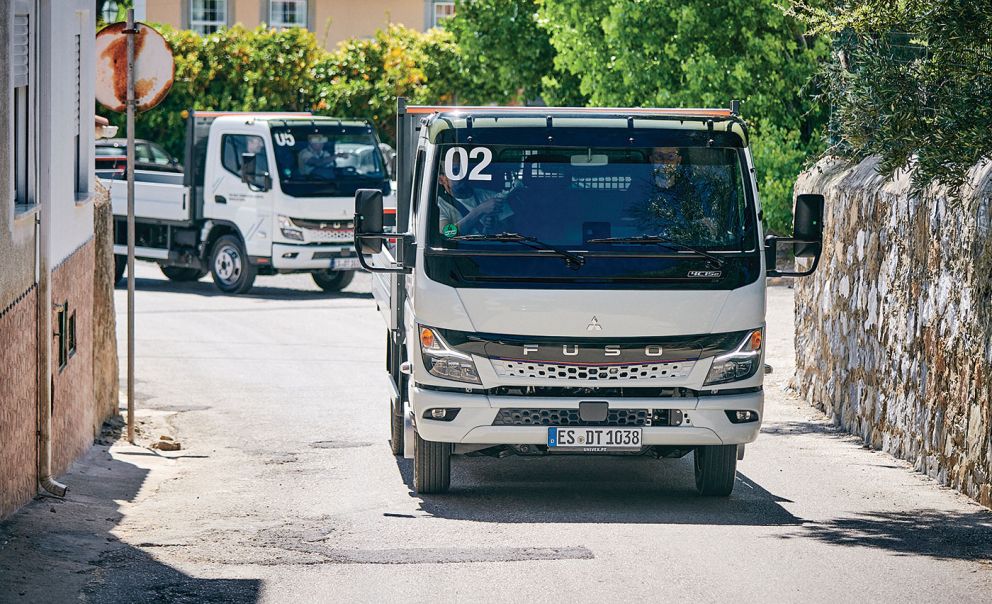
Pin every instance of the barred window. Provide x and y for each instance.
(207, 16)
(288, 13)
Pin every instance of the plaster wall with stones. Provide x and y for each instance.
(894, 330)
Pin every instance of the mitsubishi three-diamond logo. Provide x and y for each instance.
(594, 325)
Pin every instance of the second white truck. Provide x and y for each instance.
(260, 194)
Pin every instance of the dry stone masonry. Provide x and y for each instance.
(894, 330)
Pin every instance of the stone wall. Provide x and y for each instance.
(105, 377)
(18, 403)
(894, 330)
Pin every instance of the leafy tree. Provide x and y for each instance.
(506, 54)
(909, 81)
(686, 53)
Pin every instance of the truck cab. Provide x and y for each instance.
(259, 194)
(575, 281)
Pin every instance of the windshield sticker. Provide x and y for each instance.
(284, 139)
(456, 163)
(450, 230)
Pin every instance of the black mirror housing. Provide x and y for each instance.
(368, 220)
(808, 224)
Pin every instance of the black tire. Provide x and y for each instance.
(431, 466)
(715, 469)
(229, 266)
(120, 265)
(181, 274)
(396, 430)
(333, 281)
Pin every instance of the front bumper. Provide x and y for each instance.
(309, 257)
(706, 422)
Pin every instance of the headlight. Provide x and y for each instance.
(289, 230)
(740, 364)
(444, 361)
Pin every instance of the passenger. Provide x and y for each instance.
(314, 160)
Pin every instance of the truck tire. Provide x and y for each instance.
(396, 429)
(715, 469)
(120, 265)
(431, 466)
(333, 281)
(181, 274)
(229, 266)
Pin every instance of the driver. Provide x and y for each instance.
(314, 160)
(471, 210)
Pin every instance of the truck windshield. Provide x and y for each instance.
(675, 215)
(328, 160)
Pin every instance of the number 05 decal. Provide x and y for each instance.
(456, 163)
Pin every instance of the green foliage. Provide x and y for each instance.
(363, 77)
(505, 51)
(692, 53)
(287, 70)
(909, 81)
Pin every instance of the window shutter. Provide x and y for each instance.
(21, 45)
(79, 81)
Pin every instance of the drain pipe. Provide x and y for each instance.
(44, 312)
(44, 341)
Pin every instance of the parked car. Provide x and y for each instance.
(111, 154)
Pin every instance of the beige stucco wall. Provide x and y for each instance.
(164, 11)
(333, 20)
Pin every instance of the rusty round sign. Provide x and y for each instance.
(154, 68)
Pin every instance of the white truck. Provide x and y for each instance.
(261, 193)
(575, 281)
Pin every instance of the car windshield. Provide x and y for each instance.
(592, 198)
(325, 160)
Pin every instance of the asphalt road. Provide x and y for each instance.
(285, 489)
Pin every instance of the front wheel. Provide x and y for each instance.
(333, 281)
(431, 466)
(229, 265)
(181, 274)
(715, 469)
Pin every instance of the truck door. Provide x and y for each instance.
(227, 198)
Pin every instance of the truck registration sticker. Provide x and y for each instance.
(594, 439)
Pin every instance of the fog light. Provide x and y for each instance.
(742, 417)
(441, 414)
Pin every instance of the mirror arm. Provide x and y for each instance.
(816, 259)
(405, 239)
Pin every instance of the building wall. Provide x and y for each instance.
(18, 402)
(73, 406)
(894, 330)
(331, 20)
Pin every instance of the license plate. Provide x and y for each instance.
(345, 264)
(594, 439)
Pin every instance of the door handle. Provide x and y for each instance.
(220, 199)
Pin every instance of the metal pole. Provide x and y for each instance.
(130, 31)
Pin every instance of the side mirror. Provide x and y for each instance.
(807, 239)
(808, 225)
(250, 175)
(368, 221)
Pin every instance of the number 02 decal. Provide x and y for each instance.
(456, 163)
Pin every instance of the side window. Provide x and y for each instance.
(234, 145)
(141, 153)
(22, 65)
(159, 156)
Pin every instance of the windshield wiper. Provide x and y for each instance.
(664, 242)
(574, 261)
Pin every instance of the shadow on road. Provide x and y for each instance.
(64, 550)
(594, 490)
(943, 535)
(207, 290)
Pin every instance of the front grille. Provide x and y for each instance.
(554, 371)
(322, 231)
(570, 417)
